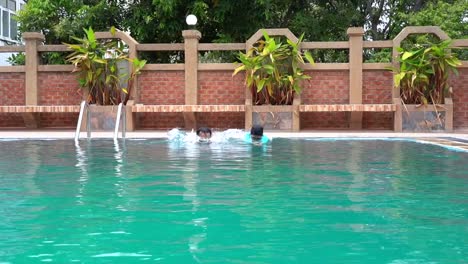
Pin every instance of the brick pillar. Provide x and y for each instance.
(191, 38)
(32, 40)
(355, 73)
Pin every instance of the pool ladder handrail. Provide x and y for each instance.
(117, 122)
(84, 106)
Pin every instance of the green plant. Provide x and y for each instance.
(424, 71)
(97, 64)
(273, 70)
(46, 58)
(17, 59)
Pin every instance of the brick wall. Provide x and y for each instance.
(58, 88)
(217, 88)
(160, 120)
(220, 87)
(11, 93)
(161, 87)
(460, 99)
(377, 89)
(221, 120)
(325, 87)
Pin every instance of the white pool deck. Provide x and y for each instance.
(70, 134)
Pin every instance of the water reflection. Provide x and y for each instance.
(81, 164)
(120, 184)
(356, 190)
(118, 159)
(190, 178)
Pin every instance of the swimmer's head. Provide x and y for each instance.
(256, 132)
(204, 134)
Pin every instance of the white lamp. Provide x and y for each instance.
(191, 20)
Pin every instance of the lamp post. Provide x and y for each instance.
(191, 21)
(191, 38)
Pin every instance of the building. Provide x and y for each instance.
(8, 25)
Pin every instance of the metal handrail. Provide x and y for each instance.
(83, 106)
(117, 121)
(121, 113)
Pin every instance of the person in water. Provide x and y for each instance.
(256, 135)
(204, 134)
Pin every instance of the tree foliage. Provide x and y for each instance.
(59, 20)
(451, 17)
(162, 21)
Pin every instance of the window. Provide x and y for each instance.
(13, 27)
(6, 23)
(12, 5)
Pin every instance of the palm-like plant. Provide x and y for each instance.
(273, 70)
(97, 63)
(424, 72)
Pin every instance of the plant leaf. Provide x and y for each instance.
(309, 57)
(238, 69)
(260, 85)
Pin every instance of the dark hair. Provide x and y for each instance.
(204, 130)
(257, 130)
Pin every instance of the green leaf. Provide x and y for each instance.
(112, 31)
(406, 55)
(397, 79)
(265, 35)
(238, 69)
(309, 57)
(260, 85)
(424, 100)
(454, 62)
(249, 80)
(101, 61)
(272, 46)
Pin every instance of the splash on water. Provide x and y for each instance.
(177, 136)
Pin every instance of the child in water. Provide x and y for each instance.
(256, 135)
(204, 134)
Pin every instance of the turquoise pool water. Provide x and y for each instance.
(291, 201)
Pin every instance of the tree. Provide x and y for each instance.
(58, 20)
(162, 21)
(451, 17)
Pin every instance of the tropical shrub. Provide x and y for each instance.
(424, 71)
(97, 63)
(273, 70)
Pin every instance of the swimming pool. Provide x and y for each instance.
(291, 201)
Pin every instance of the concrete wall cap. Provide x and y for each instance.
(191, 34)
(355, 31)
(33, 35)
(271, 32)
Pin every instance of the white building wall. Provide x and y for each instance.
(8, 26)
